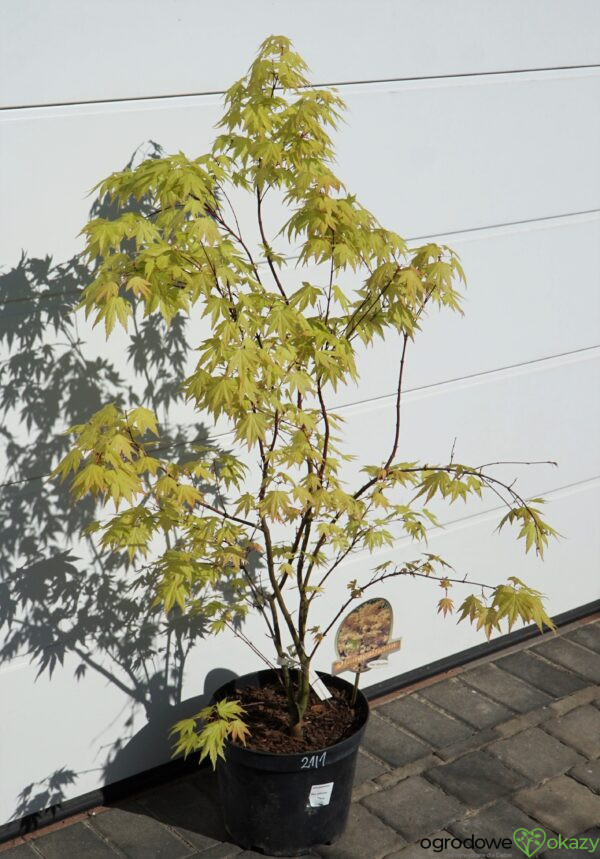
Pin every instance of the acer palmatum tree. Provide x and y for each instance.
(275, 354)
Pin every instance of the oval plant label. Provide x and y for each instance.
(364, 637)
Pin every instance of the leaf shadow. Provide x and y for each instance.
(61, 602)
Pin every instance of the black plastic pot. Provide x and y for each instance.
(283, 805)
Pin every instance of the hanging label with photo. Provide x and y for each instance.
(320, 794)
(364, 637)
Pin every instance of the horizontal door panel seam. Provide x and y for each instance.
(328, 84)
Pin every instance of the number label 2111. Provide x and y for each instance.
(313, 762)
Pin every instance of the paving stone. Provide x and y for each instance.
(571, 656)
(139, 836)
(466, 703)
(535, 754)
(367, 768)
(498, 821)
(522, 723)
(579, 728)
(20, 851)
(208, 821)
(207, 824)
(479, 739)
(364, 789)
(588, 772)
(391, 743)
(506, 688)
(415, 768)
(438, 729)
(220, 851)
(559, 853)
(562, 804)
(476, 779)
(587, 695)
(73, 842)
(251, 854)
(415, 807)
(435, 848)
(194, 815)
(178, 794)
(365, 835)
(587, 635)
(548, 678)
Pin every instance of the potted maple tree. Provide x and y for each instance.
(223, 535)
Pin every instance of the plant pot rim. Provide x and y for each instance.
(283, 760)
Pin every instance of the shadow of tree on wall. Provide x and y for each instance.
(59, 599)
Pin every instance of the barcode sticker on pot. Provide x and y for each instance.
(320, 794)
(321, 690)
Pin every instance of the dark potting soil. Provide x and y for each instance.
(325, 722)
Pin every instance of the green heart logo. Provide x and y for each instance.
(529, 840)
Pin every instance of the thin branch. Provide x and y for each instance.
(252, 647)
(233, 212)
(341, 557)
(264, 527)
(374, 480)
(331, 271)
(225, 515)
(236, 235)
(452, 451)
(518, 462)
(383, 577)
(259, 600)
(277, 591)
(267, 247)
(216, 510)
(350, 330)
(327, 430)
(304, 603)
(398, 403)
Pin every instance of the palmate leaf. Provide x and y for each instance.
(228, 709)
(251, 428)
(445, 606)
(91, 479)
(219, 723)
(139, 287)
(69, 463)
(534, 530)
(511, 602)
(277, 505)
(143, 419)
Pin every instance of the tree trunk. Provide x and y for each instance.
(301, 701)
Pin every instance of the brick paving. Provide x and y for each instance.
(510, 742)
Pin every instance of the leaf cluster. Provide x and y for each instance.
(510, 602)
(220, 722)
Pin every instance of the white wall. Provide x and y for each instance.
(475, 122)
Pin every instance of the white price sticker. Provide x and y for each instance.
(320, 794)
